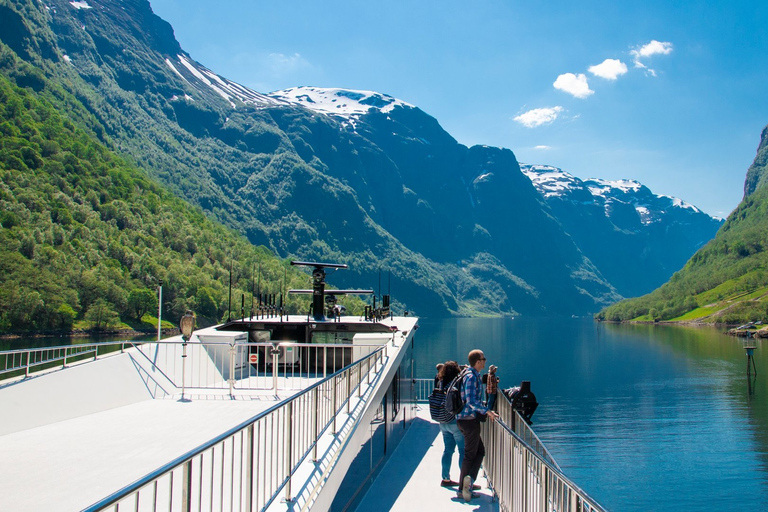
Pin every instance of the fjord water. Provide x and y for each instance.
(641, 417)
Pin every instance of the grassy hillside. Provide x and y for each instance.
(725, 282)
(85, 237)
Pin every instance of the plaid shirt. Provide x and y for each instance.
(492, 385)
(470, 394)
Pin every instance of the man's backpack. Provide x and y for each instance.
(437, 409)
(453, 402)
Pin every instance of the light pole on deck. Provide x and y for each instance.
(187, 326)
(159, 307)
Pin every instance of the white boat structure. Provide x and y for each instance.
(269, 412)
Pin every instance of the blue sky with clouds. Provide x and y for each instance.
(670, 93)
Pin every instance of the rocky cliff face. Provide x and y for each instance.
(757, 175)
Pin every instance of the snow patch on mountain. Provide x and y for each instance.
(202, 78)
(80, 5)
(340, 102)
(553, 182)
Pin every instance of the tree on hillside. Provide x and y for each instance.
(140, 301)
(101, 315)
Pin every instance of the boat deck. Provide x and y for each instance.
(410, 480)
(61, 466)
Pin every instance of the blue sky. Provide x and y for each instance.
(670, 93)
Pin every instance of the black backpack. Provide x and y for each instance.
(453, 402)
(437, 409)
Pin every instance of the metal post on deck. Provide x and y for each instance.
(186, 487)
(333, 404)
(288, 447)
(315, 415)
(232, 350)
(249, 469)
(349, 389)
(275, 354)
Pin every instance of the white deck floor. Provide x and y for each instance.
(109, 449)
(410, 480)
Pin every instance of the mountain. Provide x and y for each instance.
(726, 280)
(324, 174)
(636, 238)
(86, 238)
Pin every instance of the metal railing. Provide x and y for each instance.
(250, 366)
(22, 363)
(250, 465)
(511, 417)
(521, 470)
(204, 366)
(519, 426)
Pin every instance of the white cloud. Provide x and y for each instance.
(542, 147)
(538, 116)
(648, 50)
(282, 62)
(575, 85)
(610, 69)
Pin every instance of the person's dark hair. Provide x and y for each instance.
(448, 372)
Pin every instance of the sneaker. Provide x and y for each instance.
(448, 483)
(475, 487)
(466, 488)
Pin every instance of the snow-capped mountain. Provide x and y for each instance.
(553, 182)
(340, 102)
(616, 222)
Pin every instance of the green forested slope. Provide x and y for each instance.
(724, 282)
(85, 237)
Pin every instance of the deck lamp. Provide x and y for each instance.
(186, 325)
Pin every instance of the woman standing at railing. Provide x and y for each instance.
(452, 436)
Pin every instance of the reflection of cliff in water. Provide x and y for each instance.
(714, 352)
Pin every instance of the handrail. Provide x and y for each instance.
(290, 430)
(525, 481)
(212, 365)
(520, 469)
(24, 360)
(523, 429)
(509, 416)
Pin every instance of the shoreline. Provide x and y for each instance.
(85, 334)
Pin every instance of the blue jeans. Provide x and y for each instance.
(452, 437)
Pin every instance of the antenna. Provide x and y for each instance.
(229, 307)
(253, 286)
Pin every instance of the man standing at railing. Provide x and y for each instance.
(469, 420)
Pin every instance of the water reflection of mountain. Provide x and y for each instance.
(712, 352)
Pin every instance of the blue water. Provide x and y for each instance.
(640, 417)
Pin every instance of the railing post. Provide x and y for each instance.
(183, 370)
(288, 448)
(66, 350)
(275, 354)
(315, 416)
(333, 405)
(349, 389)
(249, 470)
(232, 350)
(29, 354)
(359, 380)
(186, 487)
